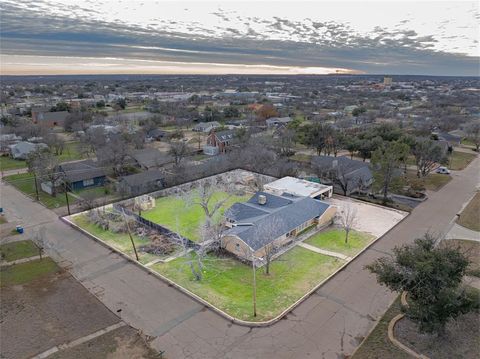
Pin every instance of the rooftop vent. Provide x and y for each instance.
(262, 199)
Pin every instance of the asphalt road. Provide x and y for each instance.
(329, 324)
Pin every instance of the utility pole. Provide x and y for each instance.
(66, 196)
(130, 235)
(254, 287)
(36, 186)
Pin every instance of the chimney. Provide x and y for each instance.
(262, 199)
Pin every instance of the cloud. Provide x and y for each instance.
(31, 28)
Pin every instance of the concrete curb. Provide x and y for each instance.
(391, 332)
(202, 301)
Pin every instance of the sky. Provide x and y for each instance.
(40, 37)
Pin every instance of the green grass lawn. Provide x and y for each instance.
(3, 219)
(227, 283)
(91, 193)
(175, 214)
(120, 241)
(8, 163)
(470, 216)
(334, 240)
(70, 153)
(25, 272)
(432, 182)
(377, 345)
(24, 182)
(18, 250)
(459, 160)
(301, 157)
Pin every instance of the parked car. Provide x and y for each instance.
(443, 170)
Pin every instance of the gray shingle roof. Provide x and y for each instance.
(277, 217)
(81, 170)
(143, 178)
(150, 157)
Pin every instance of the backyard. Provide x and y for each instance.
(119, 241)
(227, 283)
(176, 214)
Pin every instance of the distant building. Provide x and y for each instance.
(278, 121)
(139, 183)
(218, 142)
(49, 119)
(206, 127)
(387, 81)
(21, 150)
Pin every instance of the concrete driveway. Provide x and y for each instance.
(373, 219)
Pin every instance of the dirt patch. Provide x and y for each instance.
(461, 340)
(48, 311)
(124, 342)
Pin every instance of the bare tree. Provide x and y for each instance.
(427, 154)
(40, 241)
(178, 149)
(114, 154)
(44, 165)
(55, 143)
(473, 133)
(347, 218)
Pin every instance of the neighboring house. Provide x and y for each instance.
(299, 187)
(82, 174)
(451, 139)
(347, 176)
(49, 119)
(7, 140)
(150, 158)
(78, 175)
(143, 182)
(278, 121)
(206, 127)
(217, 142)
(21, 150)
(156, 134)
(267, 220)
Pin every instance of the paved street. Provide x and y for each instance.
(331, 322)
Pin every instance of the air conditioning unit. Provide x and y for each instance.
(262, 199)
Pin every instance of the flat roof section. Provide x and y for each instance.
(298, 187)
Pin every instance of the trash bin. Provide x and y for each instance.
(19, 229)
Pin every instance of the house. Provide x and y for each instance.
(82, 174)
(206, 127)
(49, 119)
(77, 175)
(267, 220)
(6, 140)
(451, 139)
(217, 142)
(278, 121)
(298, 187)
(143, 182)
(156, 134)
(148, 158)
(346, 175)
(22, 149)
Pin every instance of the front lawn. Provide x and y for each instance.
(18, 250)
(227, 283)
(119, 241)
(431, 182)
(25, 183)
(459, 160)
(177, 215)
(472, 251)
(8, 163)
(25, 272)
(334, 240)
(470, 216)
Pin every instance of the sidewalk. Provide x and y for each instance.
(459, 232)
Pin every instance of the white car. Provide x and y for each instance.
(443, 170)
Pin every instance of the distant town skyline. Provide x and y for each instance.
(51, 37)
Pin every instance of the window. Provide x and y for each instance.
(88, 182)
